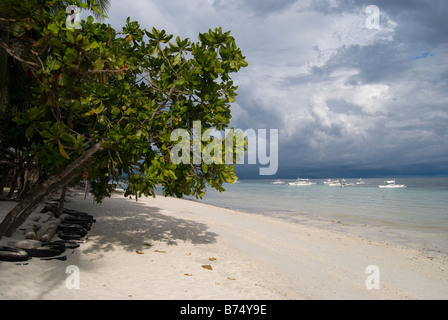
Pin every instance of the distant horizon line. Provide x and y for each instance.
(343, 177)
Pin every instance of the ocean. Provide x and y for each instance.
(415, 216)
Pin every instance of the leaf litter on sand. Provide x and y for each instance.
(207, 266)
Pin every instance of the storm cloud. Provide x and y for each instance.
(347, 99)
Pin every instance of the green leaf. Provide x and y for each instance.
(62, 151)
(54, 28)
(177, 59)
(94, 111)
(57, 65)
(70, 36)
(29, 132)
(17, 29)
(94, 45)
(63, 79)
(98, 64)
(100, 108)
(45, 134)
(204, 167)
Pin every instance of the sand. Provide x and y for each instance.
(174, 249)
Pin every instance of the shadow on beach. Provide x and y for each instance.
(121, 225)
(130, 225)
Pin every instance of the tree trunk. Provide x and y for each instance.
(62, 198)
(43, 190)
(30, 203)
(15, 182)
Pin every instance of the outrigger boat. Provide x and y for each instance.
(390, 184)
(301, 182)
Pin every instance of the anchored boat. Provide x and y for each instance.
(390, 184)
(301, 182)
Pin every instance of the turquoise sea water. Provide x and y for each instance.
(416, 216)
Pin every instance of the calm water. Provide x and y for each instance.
(416, 216)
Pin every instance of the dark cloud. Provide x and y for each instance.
(376, 63)
(347, 101)
(419, 20)
(411, 134)
(330, 7)
(255, 113)
(315, 74)
(260, 8)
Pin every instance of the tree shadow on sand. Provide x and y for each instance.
(136, 224)
(121, 224)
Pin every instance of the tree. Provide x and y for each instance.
(16, 168)
(106, 102)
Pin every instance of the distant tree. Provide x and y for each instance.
(106, 103)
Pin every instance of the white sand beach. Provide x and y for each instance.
(159, 249)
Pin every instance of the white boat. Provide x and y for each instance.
(301, 182)
(344, 183)
(278, 181)
(360, 181)
(335, 183)
(340, 183)
(390, 184)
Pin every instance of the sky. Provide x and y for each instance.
(352, 91)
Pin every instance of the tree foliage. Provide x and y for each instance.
(123, 92)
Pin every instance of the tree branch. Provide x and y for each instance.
(162, 104)
(15, 56)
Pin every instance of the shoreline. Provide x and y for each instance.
(160, 249)
(378, 233)
(413, 233)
